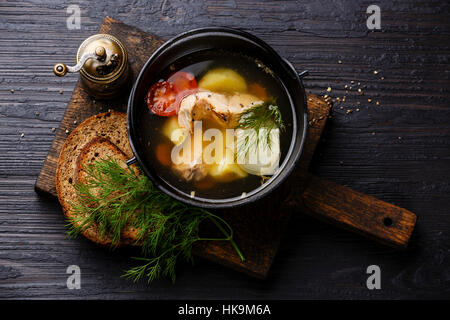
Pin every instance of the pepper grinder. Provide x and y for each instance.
(102, 61)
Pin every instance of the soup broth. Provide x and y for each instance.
(259, 82)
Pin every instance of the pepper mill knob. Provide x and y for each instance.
(60, 69)
(101, 53)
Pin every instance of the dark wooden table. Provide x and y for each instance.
(398, 151)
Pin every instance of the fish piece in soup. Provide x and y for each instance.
(223, 109)
(191, 171)
(189, 165)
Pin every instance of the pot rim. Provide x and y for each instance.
(291, 158)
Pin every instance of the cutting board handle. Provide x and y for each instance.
(356, 211)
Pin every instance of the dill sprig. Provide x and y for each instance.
(116, 199)
(266, 116)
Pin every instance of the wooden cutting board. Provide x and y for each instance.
(257, 227)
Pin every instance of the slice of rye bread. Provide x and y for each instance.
(100, 148)
(109, 125)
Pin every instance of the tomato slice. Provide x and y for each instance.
(185, 84)
(161, 98)
(164, 97)
(183, 81)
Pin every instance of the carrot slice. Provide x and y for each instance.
(258, 90)
(163, 154)
(204, 184)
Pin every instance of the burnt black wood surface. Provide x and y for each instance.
(398, 151)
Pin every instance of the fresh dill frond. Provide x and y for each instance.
(116, 199)
(265, 116)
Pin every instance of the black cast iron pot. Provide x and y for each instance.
(227, 39)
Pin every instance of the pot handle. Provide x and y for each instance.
(131, 161)
(303, 74)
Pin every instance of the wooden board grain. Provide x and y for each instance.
(257, 227)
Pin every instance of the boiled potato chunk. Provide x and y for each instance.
(226, 172)
(223, 80)
(173, 131)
